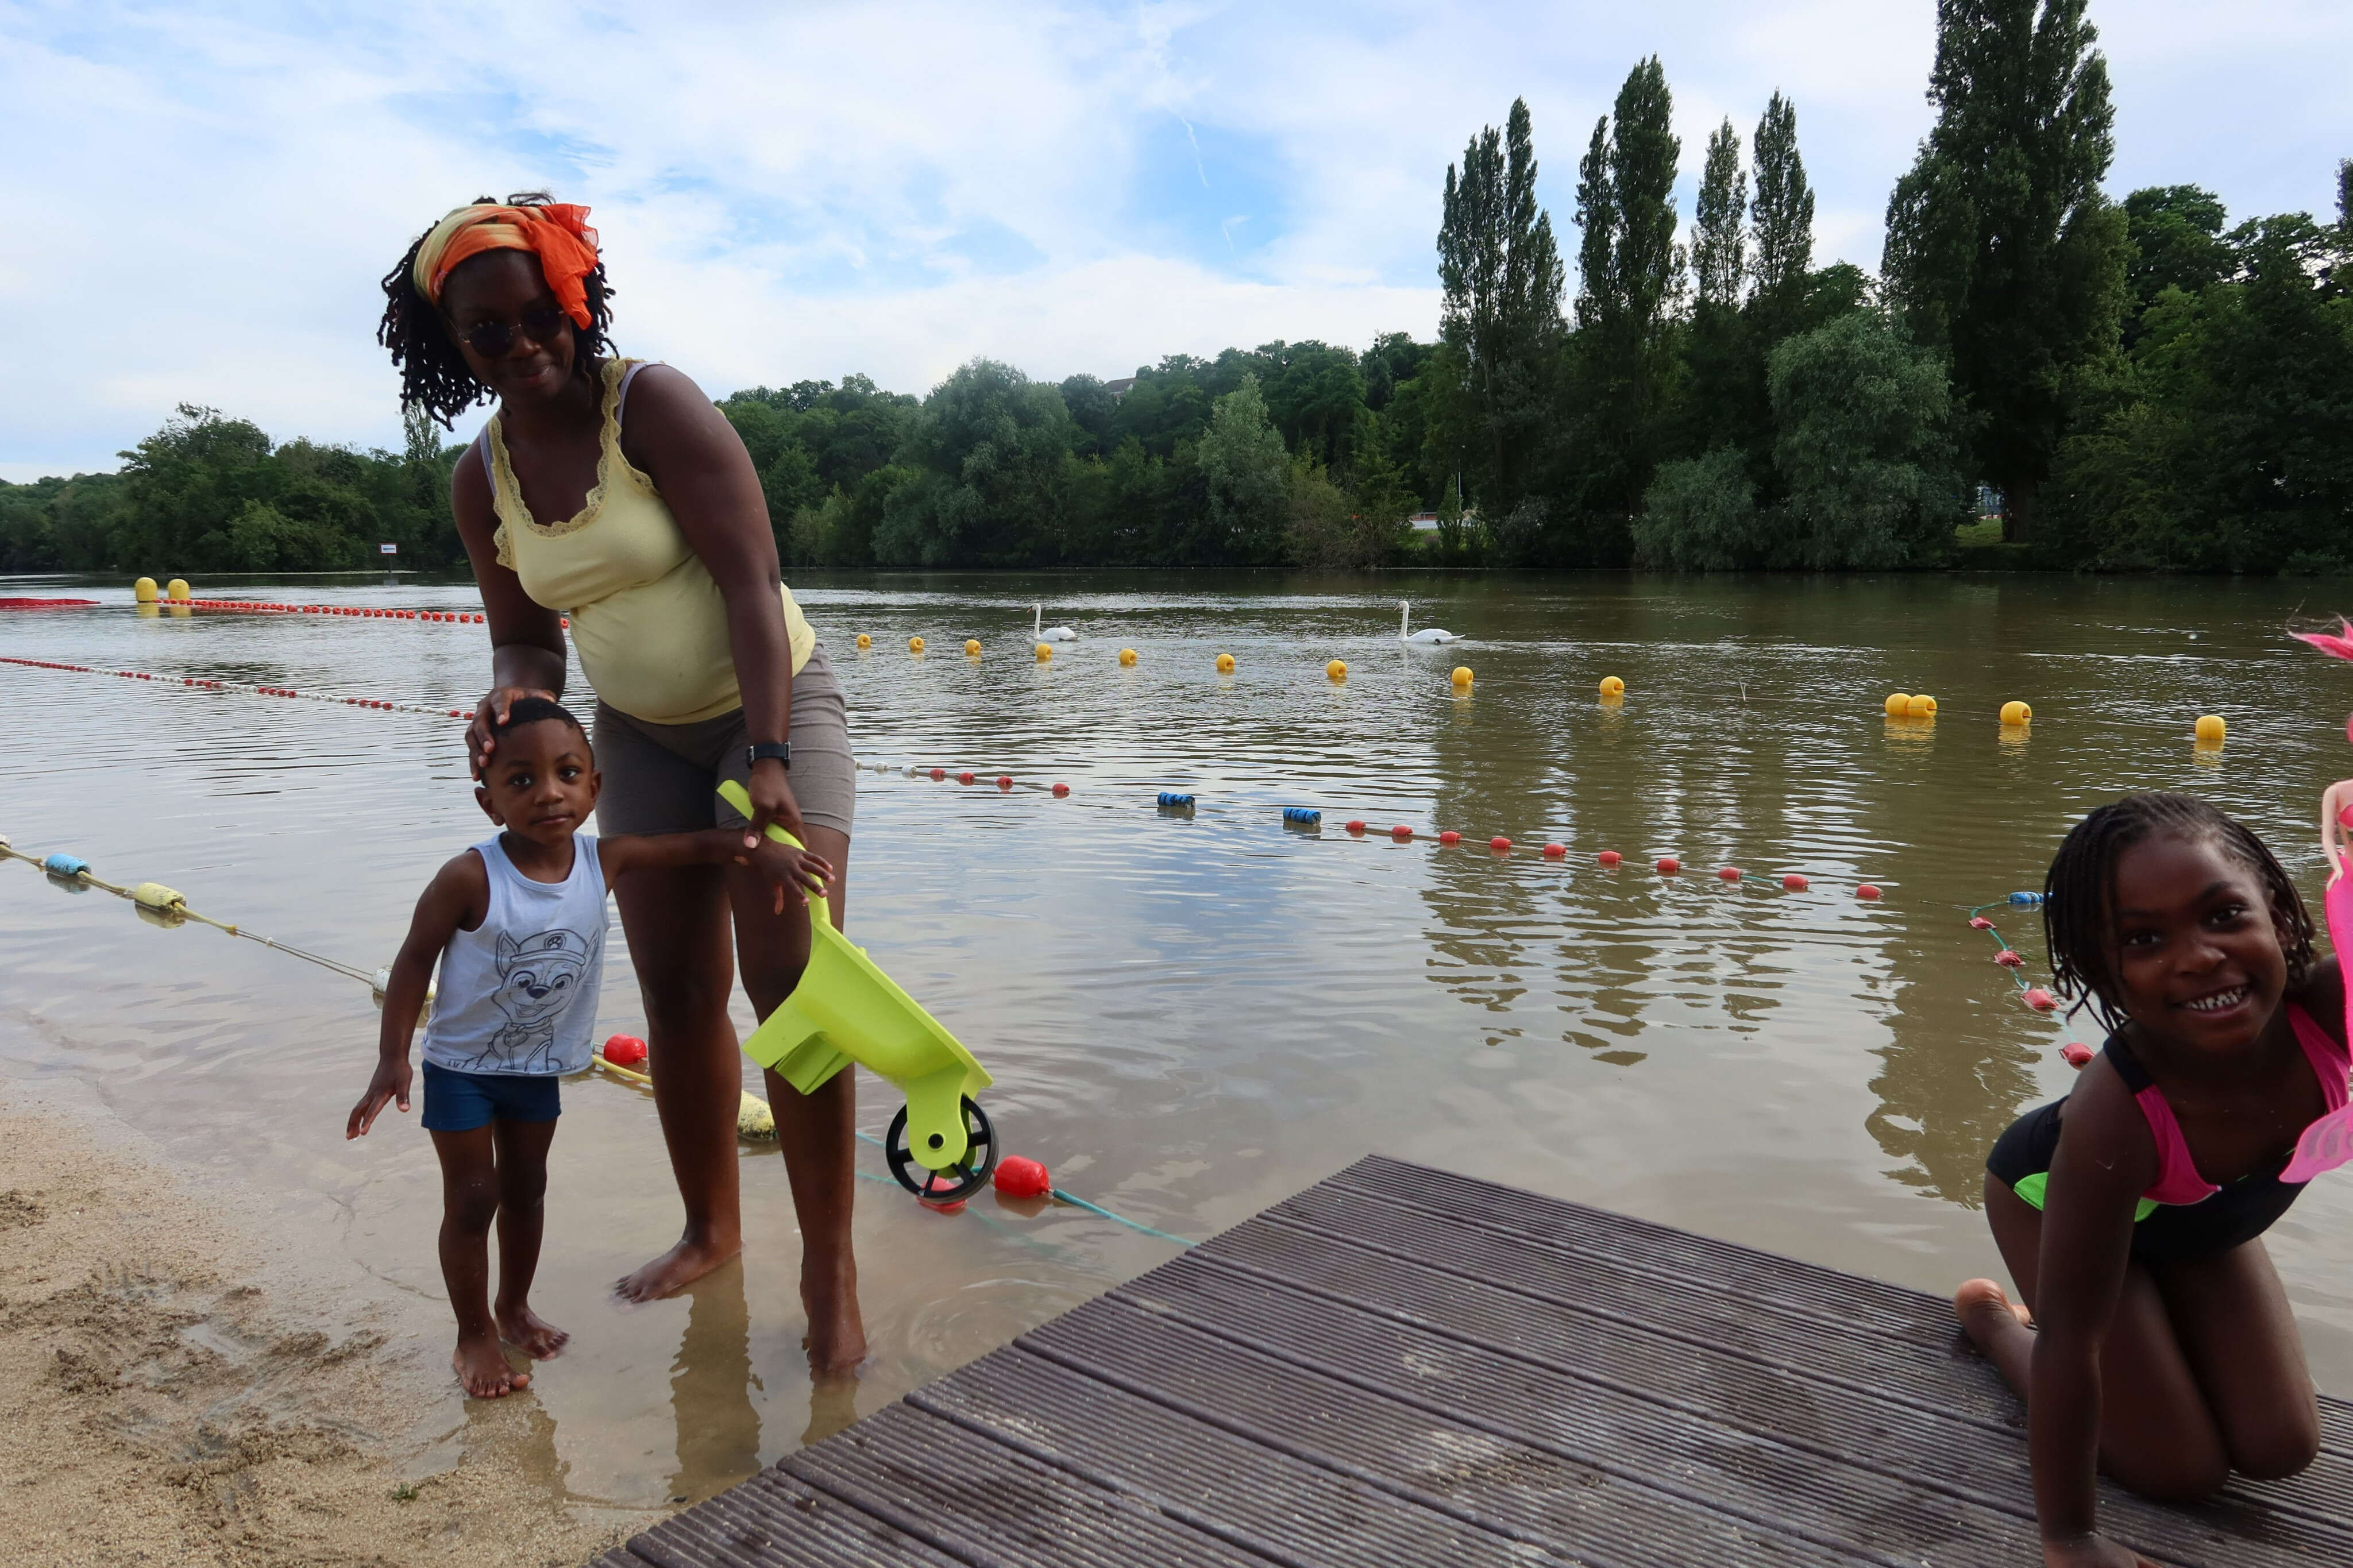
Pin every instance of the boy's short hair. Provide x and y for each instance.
(538, 710)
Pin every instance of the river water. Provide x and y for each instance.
(1192, 1016)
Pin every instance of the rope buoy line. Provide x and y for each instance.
(754, 1119)
(203, 684)
(2037, 997)
(1308, 821)
(271, 607)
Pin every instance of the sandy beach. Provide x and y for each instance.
(165, 1398)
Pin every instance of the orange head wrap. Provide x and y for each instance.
(558, 234)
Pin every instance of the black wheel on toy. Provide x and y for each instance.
(956, 1183)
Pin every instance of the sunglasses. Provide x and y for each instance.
(541, 323)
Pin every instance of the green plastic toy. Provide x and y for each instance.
(941, 1145)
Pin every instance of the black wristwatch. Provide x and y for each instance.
(780, 750)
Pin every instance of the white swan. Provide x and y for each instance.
(1427, 633)
(1044, 633)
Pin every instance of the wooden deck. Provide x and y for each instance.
(1400, 1366)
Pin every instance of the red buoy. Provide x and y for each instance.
(1556, 851)
(1669, 865)
(1018, 1177)
(1500, 845)
(939, 772)
(1400, 832)
(2076, 1054)
(2008, 958)
(1610, 857)
(1866, 891)
(1730, 873)
(1004, 781)
(1794, 883)
(1061, 789)
(964, 778)
(2038, 999)
(1978, 922)
(1449, 836)
(625, 1050)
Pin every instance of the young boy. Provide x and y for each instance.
(517, 924)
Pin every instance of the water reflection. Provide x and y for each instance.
(712, 1382)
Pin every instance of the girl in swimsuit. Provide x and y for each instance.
(2154, 1339)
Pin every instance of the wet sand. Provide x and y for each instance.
(166, 1395)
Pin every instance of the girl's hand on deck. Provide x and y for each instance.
(492, 710)
(789, 868)
(390, 1083)
(2091, 1552)
(772, 800)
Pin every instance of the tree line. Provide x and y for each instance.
(2131, 386)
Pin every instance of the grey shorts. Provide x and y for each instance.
(664, 778)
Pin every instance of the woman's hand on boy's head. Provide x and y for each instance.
(491, 712)
(390, 1083)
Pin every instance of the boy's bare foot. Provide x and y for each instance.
(480, 1365)
(682, 1264)
(836, 1340)
(1987, 1313)
(531, 1334)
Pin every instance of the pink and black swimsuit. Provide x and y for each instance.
(2181, 1214)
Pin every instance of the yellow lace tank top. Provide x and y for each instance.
(648, 619)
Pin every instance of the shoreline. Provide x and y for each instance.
(156, 1355)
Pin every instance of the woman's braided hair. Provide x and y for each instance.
(2078, 892)
(433, 374)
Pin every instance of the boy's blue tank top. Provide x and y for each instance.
(518, 994)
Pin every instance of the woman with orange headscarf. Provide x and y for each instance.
(612, 491)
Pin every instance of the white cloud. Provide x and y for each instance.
(201, 199)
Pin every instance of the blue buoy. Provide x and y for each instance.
(1172, 800)
(64, 865)
(2027, 900)
(1304, 815)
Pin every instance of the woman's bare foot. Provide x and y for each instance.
(836, 1340)
(682, 1264)
(481, 1363)
(531, 1334)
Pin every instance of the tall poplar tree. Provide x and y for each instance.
(2001, 250)
(1500, 318)
(1630, 275)
(1783, 214)
(1719, 252)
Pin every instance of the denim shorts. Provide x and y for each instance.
(460, 1101)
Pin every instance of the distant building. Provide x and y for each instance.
(1424, 521)
(1119, 389)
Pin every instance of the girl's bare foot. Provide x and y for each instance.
(679, 1266)
(531, 1334)
(1980, 1304)
(836, 1340)
(481, 1363)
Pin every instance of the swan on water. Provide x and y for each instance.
(1427, 633)
(1044, 633)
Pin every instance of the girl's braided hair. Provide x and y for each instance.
(2078, 892)
(433, 374)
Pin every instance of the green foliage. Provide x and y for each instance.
(1699, 514)
(990, 444)
(1783, 215)
(1719, 252)
(1500, 272)
(2176, 243)
(2001, 250)
(1862, 438)
(1246, 477)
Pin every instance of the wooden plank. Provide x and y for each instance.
(1400, 1365)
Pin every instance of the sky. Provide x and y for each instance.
(201, 199)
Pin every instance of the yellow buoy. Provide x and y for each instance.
(143, 590)
(1225, 664)
(2210, 729)
(972, 648)
(1922, 706)
(1898, 704)
(915, 645)
(1127, 656)
(2017, 713)
(864, 640)
(1045, 651)
(1337, 671)
(1461, 675)
(1612, 686)
(177, 589)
